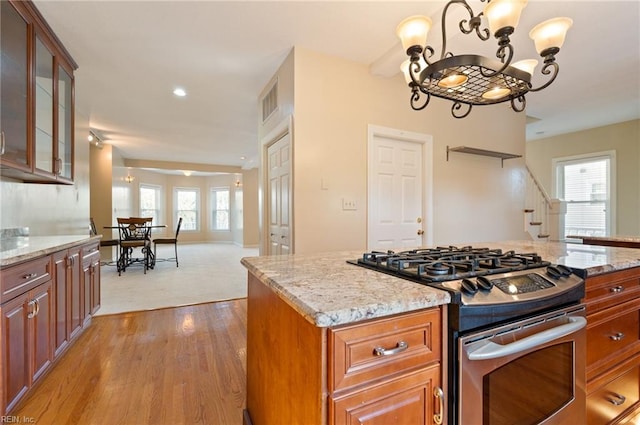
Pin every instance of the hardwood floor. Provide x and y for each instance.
(184, 365)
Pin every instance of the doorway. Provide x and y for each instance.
(400, 187)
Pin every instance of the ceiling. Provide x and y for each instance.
(132, 54)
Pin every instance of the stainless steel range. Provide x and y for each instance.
(516, 331)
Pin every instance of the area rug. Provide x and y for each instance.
(207, 272)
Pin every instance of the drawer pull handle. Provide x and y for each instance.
(439, 394)
(617, 289)
(400, 347)
(617, 399)
(33, 312)
(29, 276)
(617, 337)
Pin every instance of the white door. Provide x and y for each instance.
(396, 196)
(279, 196)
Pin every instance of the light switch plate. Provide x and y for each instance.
(349, 204)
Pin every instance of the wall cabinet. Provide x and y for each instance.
(613, 346)
(42, 305)
(37, 99)
(27, 329)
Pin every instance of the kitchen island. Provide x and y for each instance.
(298, 306)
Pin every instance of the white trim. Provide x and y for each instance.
(284, 127)
(611, 156)
(427, 171)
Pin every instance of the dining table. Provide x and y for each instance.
(125, 257)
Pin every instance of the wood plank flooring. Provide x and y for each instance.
(184, 365)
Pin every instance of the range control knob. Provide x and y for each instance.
(554, 272)
(468, 287)
(566, 271)
(484, 284)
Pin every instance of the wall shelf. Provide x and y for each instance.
(482, 152)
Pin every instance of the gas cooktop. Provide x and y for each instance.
(450, 263)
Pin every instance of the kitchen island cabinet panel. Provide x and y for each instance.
(613, 346)
(285, 362)
(408, 400)
(300, 373)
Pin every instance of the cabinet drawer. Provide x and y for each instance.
(23, 277)
(610, 289)
(611, 336)
(612, 399)
(375, 350)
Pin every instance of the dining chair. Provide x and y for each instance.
(134, 232)
(169, 241)
(103, 242)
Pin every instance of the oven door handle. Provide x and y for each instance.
(491, 350)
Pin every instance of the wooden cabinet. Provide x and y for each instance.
(37, 99)
(27, 331)
(379, 371)
(90, 280)
(68, 301)
(386, 370)
(613, 346)
(42, 302)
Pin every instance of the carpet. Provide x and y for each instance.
(208, 272)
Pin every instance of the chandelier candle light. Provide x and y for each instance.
(472, 79)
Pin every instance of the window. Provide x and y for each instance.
(586, 184)
(150, 202)
(187, 205)
(220, 208)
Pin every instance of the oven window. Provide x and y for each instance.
(529, 389)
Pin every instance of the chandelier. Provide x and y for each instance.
(470, 79)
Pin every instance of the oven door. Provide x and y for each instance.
(527, 373)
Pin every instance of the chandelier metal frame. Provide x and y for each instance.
(483, 73)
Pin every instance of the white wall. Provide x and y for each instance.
(49, 209)
(334, 102)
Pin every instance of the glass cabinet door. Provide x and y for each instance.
(44, 108)
(13, 84)
(65, 123)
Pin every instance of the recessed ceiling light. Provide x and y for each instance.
(179, 92)
(243, 157)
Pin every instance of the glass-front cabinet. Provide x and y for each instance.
(37, 125)
(14, 71)
(44, 108)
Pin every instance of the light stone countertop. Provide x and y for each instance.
(328, 291)
(24, 248)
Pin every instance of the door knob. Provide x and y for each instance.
(420, 232)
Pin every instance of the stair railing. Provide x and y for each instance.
(538, 205)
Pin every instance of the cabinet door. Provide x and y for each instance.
(44, 103)
(408, 400)
(15, 359)
(41, 323)
(95, 284)
(61, 293)
(87, 271)
(76, 292)
(13, 80)
(64, 129)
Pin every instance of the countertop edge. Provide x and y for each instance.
(45, 245)
(430, 297)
